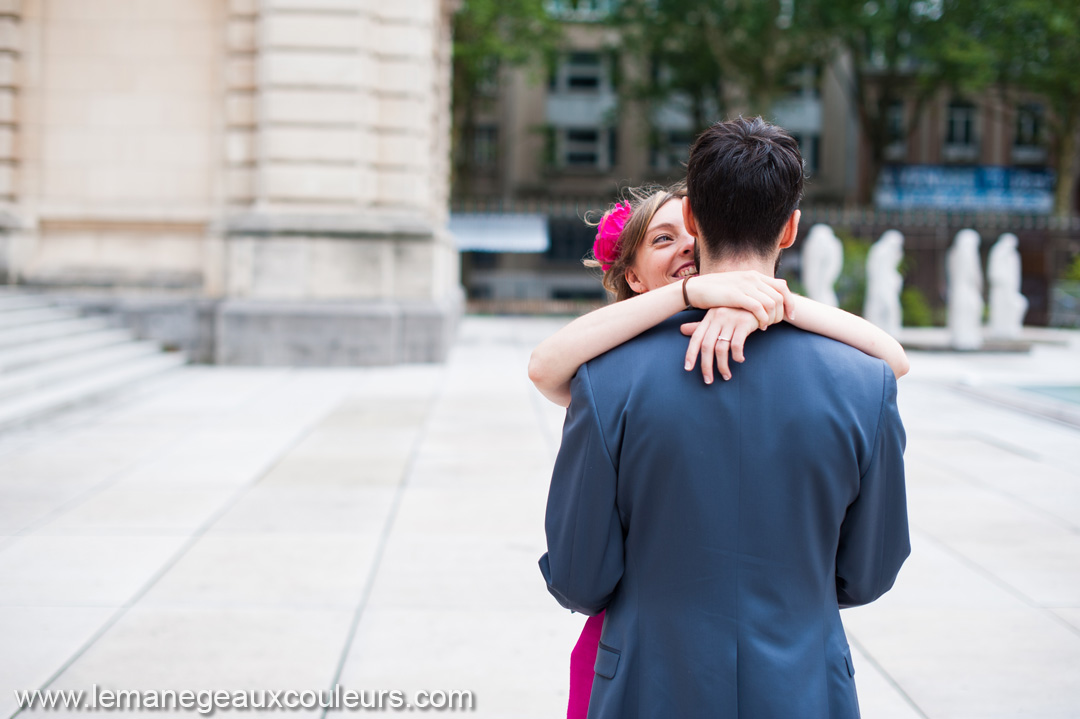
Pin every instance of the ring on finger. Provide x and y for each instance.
(722, 339)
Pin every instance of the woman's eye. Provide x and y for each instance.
(661, 238)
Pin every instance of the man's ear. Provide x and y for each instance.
(790, 231)
(688, 217)
(634, 281)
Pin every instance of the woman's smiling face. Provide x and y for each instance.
(666, 253)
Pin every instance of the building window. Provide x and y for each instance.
(581, 72)
(961, 130)
(588, 10)
(895, 133)
(961, 141)
(485, 146)
(1029, 126)
(582, 147)
(586, 148)
(804, 81)
(808, 148)
(1029, 147)
(488, 82)
(670, 149)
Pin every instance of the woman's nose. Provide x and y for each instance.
(687, 245)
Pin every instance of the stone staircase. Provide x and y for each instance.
(53, 360)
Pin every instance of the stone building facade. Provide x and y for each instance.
(257, 181)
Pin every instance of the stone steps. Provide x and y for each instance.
(75, 366)
(51, 360)
(15, 358)
(21, 335)
(13, 301)
(31, 315)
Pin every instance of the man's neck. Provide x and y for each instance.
(765, 267)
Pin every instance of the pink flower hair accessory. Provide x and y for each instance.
(606, 247)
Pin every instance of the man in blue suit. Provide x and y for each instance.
(723, 526)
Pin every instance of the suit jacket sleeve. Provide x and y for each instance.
(584, 561)
(874, 538)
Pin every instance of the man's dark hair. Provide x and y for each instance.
(744, 179)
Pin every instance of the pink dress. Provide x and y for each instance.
(582, 661)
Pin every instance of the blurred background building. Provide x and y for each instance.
(254, 181)
(897, 130)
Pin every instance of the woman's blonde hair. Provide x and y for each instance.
(644, 203)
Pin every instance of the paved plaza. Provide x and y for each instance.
(288, 529)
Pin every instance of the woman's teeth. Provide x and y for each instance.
(686, 272)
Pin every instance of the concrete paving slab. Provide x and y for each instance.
(81, 571)
(192, 648)
(935, 576)
(308, 510)
(1070, 615)
(459, 573)
(62, 473)
(454, 511)
(879, 696)
(345, 472)
(1043, 568)
(1023, 479)
(975, 663)
(46, 637)
(959, 508)
(491, 651)
(268, 571)
(130, 509)
(481, 469)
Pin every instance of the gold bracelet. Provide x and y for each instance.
(685, 296)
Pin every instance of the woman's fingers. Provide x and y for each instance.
(779, 309)
(695, 343)
(767, 305)
(788, 295)
(738, 340)
(758, 303)
(775, 306)
(709, 349)
(723, 346)
(687, 328)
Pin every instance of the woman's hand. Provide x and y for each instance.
(767, 298)
(722, 330)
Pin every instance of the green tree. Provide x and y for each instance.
(884, 52)
(1026, 46)
(488, 36)
(706, 53)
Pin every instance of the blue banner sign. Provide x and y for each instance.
(1005, 189)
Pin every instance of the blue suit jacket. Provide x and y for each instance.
(723, 527)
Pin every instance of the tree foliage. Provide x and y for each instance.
(712, 55)
(1019, 47)
(884, 52)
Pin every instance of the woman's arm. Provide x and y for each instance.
(852, 330)
(733, 326)
(555, 361)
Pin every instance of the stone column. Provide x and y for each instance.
(11, 239)
(335, 242)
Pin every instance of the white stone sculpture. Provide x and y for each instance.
(1007, 305)
(884, 282)
(822, 260)
(963, 270)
